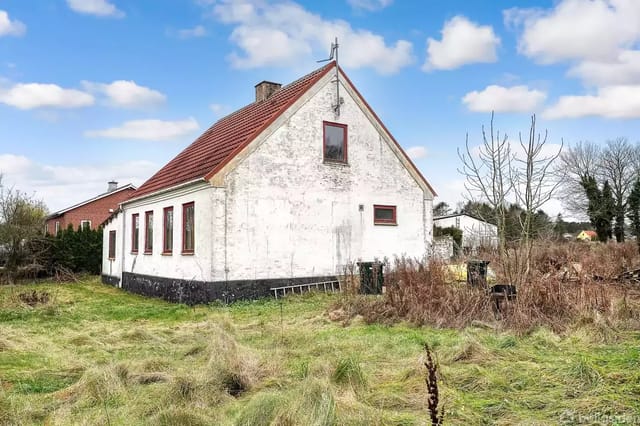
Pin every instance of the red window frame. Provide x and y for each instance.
(167, 249)
(135, 232)
(392, 221)
(344, 143)
(112, 245)
(148, 244)
(186, 250)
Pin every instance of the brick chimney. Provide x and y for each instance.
(113, 185)
(265, 89)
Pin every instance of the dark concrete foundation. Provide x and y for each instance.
(108, 279)
(199, 292)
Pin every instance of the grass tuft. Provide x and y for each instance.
(348, 371)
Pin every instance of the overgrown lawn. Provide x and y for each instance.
(93, 354)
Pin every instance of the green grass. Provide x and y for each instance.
(97, 355)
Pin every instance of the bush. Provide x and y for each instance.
(75, 250)
(568, 283)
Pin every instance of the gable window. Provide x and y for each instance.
(148, 232)
(112, 245)
(188, 228)
(384, 215)
(135, 232)
(335, 142)
(167, 236)
(85, 224)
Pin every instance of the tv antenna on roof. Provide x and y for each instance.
(332, 55)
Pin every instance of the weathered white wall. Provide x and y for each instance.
(197, 266)
(291, 215)
(475, 233)
(112, 267)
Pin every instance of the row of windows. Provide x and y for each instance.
(382, 215)
(188, 230)
(84, 224)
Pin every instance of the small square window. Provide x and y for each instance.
(85, 224)
(384, 215)
(335, 142)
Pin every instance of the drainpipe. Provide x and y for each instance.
(124, 216)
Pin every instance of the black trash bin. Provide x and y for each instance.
(371, 277)
(477, 272)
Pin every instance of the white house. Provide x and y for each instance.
(475, 232)
(289, 189)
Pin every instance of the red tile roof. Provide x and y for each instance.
(228, 136)
(231, 134)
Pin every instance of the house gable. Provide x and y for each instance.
(216, 176)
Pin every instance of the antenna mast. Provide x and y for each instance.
(332, 55)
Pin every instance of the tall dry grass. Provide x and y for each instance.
(568, 283)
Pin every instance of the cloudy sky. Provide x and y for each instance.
(93, 90)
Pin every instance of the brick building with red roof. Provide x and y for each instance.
(89, 213)
(286, 191)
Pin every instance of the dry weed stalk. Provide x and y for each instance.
(436, 415)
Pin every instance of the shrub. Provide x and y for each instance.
(567, 283)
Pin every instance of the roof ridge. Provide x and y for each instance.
(217, 145)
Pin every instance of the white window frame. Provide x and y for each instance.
(82, 222)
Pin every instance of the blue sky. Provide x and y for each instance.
(93, 90)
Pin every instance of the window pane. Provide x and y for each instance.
(136, 233)
(168, 230)
(384, 214)
(334, 143)
(112, 244)
(189, 231)
(149, 233)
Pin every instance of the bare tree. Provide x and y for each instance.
(533, 186)
(496, 175)
(574, 165)
(618, 167)
(488, 176)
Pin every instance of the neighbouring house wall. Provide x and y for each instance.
(191, 267)
(475, 233)
(291, 215)
(97, 212)
(112, 268)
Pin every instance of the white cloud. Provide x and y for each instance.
(609, 102)
(218, 109)
(284, 33)
(577, 29)
(504, 99)
(95, 7)
(9, 27)
(416, 152)
(39, 95)
(197, 31)
(63, 186)
(127, 94)
(370, 5)
(463, 42)
(149, 130)
(625, 69)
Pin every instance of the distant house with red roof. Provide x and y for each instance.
(587, 236)
(288, 190)
(89, 213)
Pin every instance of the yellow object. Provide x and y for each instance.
(458, 273)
